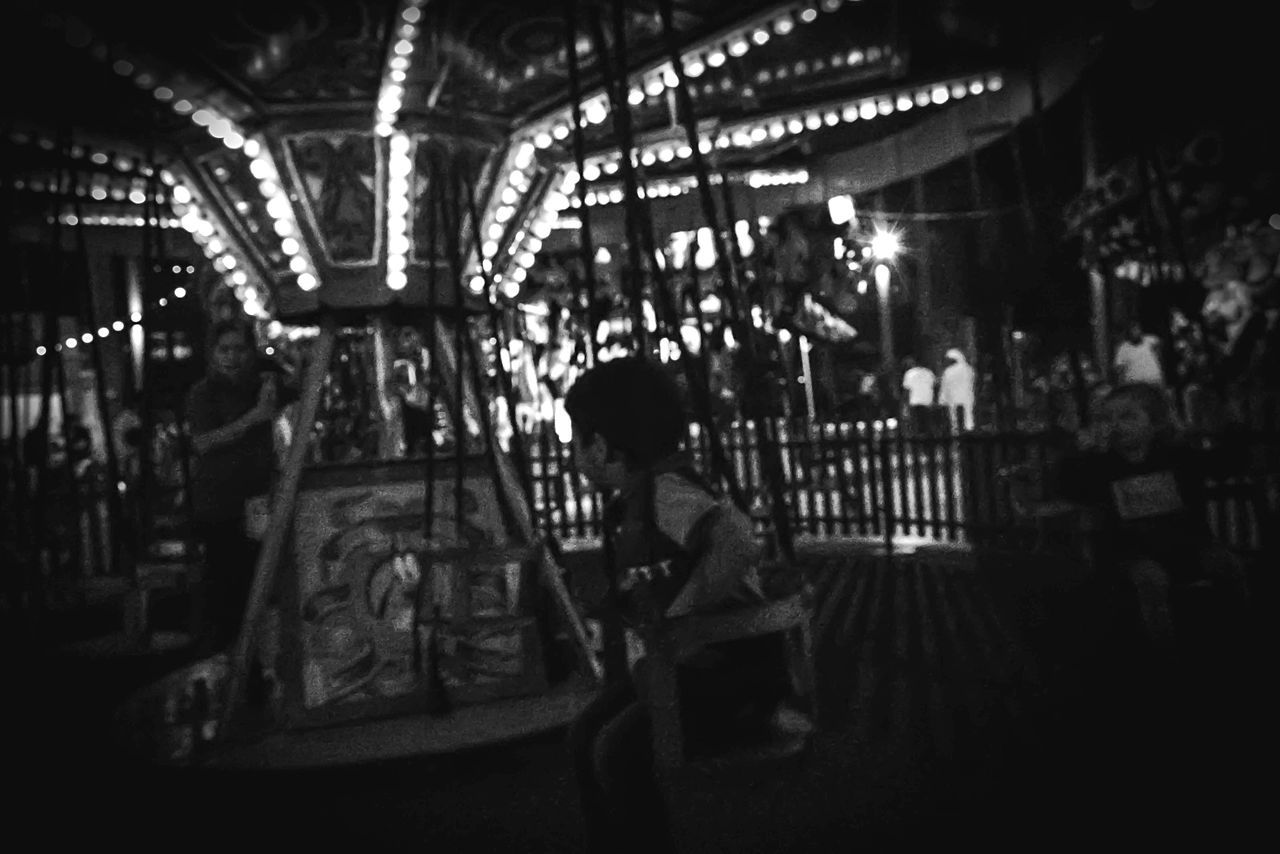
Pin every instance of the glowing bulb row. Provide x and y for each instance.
(399, 167)
(655, 81)
(757, 131)
(133, 191)
(657, 189)
(851, 58)
(77, 151)
(499, 217)
(527, 242)
(285, 223)
(119, 221)
(612, 195)
(762, 178)
(399, 58)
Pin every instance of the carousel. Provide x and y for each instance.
(376, 185)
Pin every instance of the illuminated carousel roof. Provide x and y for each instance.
(336, 153)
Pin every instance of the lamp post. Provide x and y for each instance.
(886, 316)
(884, 248)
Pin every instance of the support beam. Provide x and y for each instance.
(277, 533)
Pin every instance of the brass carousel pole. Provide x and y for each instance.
(640, 218)
(104, 410)
(519, 482)
(433, 362)
(579, 159)
(768, 449)
(633, 274)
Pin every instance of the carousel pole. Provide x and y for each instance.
(505, 385)
(19, 380)
(769, 451)
(433, 361)
(579, 159)
(146, 473)
(615, 85)
(640, 228)
(68, 464)
(114, 514)
(695, 291)
(453, 224)
(42, 541)
(518, 483)
(279, 524)
(66, 189)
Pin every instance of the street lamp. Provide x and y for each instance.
(885, 246)
(886, 316)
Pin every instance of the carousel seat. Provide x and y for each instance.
(789, 733)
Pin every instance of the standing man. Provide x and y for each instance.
(956, 392)
(229, 415)
(1137, 359)
(919, 383)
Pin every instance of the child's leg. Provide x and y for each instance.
(623, 808)
(1151, 583)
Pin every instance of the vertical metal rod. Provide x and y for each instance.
(615, 71)
(579, 159)
(114, 512)
(807, 367)
(432, 372)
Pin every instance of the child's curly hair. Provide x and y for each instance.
(634, 405)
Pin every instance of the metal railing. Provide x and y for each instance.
(861, 480)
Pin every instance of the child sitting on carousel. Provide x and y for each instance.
(1146, 492)
(673, 548)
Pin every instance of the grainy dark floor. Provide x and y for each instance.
(999, 703)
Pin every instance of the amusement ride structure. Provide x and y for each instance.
(375, 180)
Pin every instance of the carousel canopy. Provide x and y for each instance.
(360, 154)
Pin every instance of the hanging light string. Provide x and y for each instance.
(121, 324)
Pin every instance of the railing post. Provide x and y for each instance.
(887, 479)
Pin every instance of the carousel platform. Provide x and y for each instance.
(963, 702)
(411, 736)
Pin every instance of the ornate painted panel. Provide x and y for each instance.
(377, 609)
(338, 177)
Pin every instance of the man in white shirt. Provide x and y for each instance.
(957, 391)
(919, 383)
(1138, 358)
